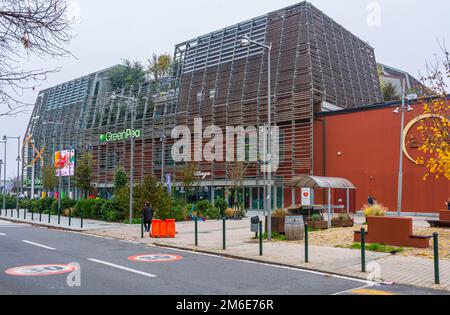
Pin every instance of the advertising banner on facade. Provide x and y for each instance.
(65, 163)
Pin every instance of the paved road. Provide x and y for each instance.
(105, 268)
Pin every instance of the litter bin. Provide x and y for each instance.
(255, 224)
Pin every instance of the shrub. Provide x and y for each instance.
(112, 211)
(213, 213)
(11, 202)
(316, 218)
(66, 203)
(280, 213)
(375, 211)
(344, 217)
(222, 205)
(230, 213)
(202, 208)
(91, 208)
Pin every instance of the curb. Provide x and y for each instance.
(38, 224)
(262, 261)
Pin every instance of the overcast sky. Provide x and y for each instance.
(404, 35)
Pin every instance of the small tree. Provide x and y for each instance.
(434, 130)
(389, 92)
(120, 178)
(49, 178)
(83, 173)
(160, 66)
(149, 190)
(189, 177)
(126, 75)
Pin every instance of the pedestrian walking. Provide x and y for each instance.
(147, 214)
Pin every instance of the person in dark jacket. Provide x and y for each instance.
(448, 204)
(371, 200)
(147, 214)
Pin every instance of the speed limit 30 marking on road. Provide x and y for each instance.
(155, 258)
(40, 270)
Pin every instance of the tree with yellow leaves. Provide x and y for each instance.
(434, 130)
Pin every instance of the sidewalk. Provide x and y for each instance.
(414, 271)
(75, 224)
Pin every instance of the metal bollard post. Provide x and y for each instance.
(82, 218)
(40, 215)
(70, 217)
(142, 227)
(260, 238)
(49, 215)
(32, 213)
(224, 234)
(59, 216)
(306, 244)
(436, 258)
(196, 231)
(25, 213)
(363, 250)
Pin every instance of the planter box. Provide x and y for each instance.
(320, 225)
(393, 231)
(342, 223)
(277, 224)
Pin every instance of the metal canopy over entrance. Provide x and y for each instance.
(321, 182)
(328, 183)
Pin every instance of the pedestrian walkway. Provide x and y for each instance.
(72, 224)
(382, 267)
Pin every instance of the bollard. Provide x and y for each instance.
(40, 215)
(260, 238)
(18, 213)
(82, 218)
(32, 213)
(49, 215)
(25, 213)
(196, 231)
(436, 258)
(224, 234)
(70, 217)
(363, 250)
(59, 216)
(306, 244)
(142, 227)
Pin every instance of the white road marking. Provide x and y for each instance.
(367, 282)
(124, 268)
(2, 234)
(39, 245)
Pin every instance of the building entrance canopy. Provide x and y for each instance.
(328, 183)
(321, 182)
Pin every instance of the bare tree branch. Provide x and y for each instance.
(32, 27)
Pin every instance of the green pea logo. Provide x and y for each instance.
(102, 138)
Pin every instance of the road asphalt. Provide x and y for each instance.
(103, 266)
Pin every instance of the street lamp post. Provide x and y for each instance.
(163, 142)
(132, 102)
(401, 111)
(18, 181)
(247, 42)
(4, 179)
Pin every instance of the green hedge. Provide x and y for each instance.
(91, 208)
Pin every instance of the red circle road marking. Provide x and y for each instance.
(155, 258)
(40, 270)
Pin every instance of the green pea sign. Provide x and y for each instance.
(110, 137)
